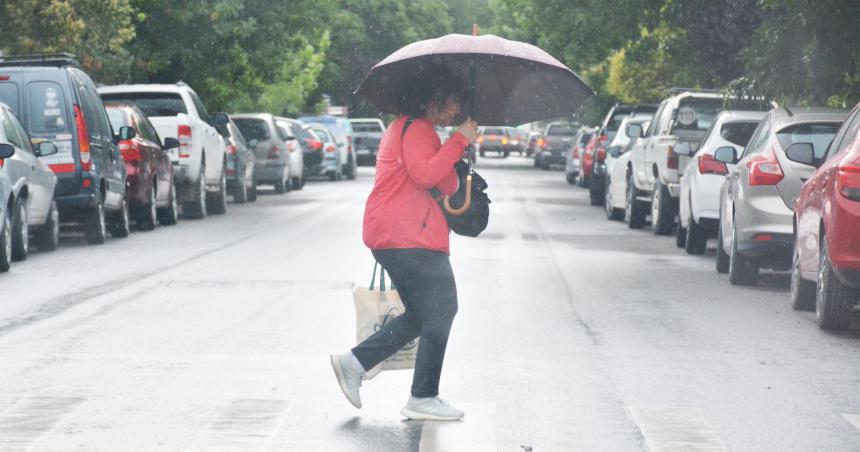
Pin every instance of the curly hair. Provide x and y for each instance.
(434, 83)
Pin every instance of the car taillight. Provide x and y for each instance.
(765, 169)
(184, 137)
(602, 138)
(231, 149)
(601, 155)
(542, 143)
(4, 77)
(83, 139)
(505, 140)
(331, 148)
(480, 140)
(709, 165)
(274, 153)
(315, 144)
(671, 158)
(848, 180)
(129, 150)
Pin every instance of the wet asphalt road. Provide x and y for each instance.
(573, 333)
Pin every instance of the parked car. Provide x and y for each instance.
(683, 117)
(342, 131)
(619, 202)
(519, 140)
(331, 161)
(558, 140)
(699, 201)
(826, 259)
(366, 133)
(241, 161)
(57, 101)
(33, 209)
(757, 198)
(586, 159)
(199, 161)
(7, 198)
(304, 146)
(535, 141)
(614, 205)
(271, 151)
(495, 139)
(573, 159)
(151, 188)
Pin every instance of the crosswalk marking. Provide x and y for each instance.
(244, 425)
(475, 433)
(28, 419)
(854, 419)
(676, 429)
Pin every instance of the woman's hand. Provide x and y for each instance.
(469, 129)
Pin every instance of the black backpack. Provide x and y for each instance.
(472, 222)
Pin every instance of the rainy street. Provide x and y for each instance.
(573, 333)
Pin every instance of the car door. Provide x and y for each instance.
(40, 179)
(213, 143)
(18, 168)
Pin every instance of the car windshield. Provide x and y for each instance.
(253, 129)
(47, 112)
(819, 135)
(561, 130)
(366, 127)
(738, 133)
(152, 104)
(494, 132)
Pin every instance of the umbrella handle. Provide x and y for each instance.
(466, 204)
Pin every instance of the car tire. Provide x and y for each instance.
(696, 237)
(351, 168)
(217, 202)
(146, 215)
(722, 256)
(634, 212)
(252, 192)
(595, 192)
(20, 230)
(332, 176)
(803, 292)
(834, 300)
(5, 243)
(95, 224)
(681, 236)
(662, 215)
(47, 238)
(612, 213)
(120, 224)
(196, 209)
(571, 178)
(169, 216)
(506, 154)
(742, 271)
(240, 193)
(298, 182)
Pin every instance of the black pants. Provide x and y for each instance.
(425, 282)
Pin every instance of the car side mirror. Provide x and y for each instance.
(634, 131)
(801, 153)
(127, 133)
(6, 150)
(170, 143)
(46, 148)
(726, 154)
(683, 148)
(220, 119)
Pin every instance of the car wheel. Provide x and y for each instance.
(697, 237)
(252, 192)
(595, 192)
(634, 213)
(240, 194)
(280, 187)
(168, 216)
(95, 224)
(147, 214)
(681, 236)
(571, 178)
(48, 235)
(217, 202)
(742, 271)
(834, 300)
(120, 225)
(5, 243)
(298, 182)
(803, 292)
(20, 230)
(196, 209)
(662, 217)
(722, 256)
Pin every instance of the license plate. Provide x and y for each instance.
(362, 151)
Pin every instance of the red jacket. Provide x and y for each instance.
(400, 212)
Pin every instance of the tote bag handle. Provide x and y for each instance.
(381, 278)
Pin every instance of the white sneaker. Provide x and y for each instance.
(348, 377)
(430, 409)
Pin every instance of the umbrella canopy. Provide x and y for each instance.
(512, 82)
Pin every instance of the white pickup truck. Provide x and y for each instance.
(198, 163)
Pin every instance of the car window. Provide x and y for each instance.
(585, 138)
(303, 133)
(324, 135)
(653, 126)
(236, 134)
(253, 129)
(846, 135)
(9, 95)
(46, 108)
(284, 130)
(738, 133)
(152, 104)
(558, 130)
(117, 117)
(201, 109)
(758, 140)
(10, 132)
(820, 135)
(26, 145)
(93, 108)
(365, 126)
(149, 130)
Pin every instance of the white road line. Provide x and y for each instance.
(244, 425)
(854, 419)
(475, 433)
(30, 418)
(669, 429)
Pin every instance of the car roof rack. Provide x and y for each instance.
(678, 90)
(40, 59)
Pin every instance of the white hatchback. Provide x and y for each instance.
(699, 208)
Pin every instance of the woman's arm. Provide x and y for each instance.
(428, 167)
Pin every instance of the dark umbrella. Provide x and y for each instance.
(511, 82)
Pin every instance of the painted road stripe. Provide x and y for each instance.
(475, 433)
(244, 425)
(854, 419)
(30, 418)
(670, 429)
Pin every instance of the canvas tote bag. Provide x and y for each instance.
(374, 307)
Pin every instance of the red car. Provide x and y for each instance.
(151, 191)
(588, 153)
(826, 266)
